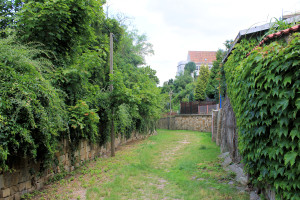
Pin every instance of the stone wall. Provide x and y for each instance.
(28, 176)
(225, 134)
(201, 123)
(225, 131)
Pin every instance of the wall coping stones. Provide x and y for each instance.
(187, 115)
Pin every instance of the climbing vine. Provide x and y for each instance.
(264, 92)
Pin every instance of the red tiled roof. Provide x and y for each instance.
(202, 57)
(276, 35)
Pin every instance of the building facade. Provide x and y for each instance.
(199, 58)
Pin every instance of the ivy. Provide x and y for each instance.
(264, 92)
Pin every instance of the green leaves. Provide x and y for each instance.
(290, 158)
(41, 101)
(267, 115)
(33, 109)
(202, 81)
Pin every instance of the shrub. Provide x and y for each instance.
(31, 111)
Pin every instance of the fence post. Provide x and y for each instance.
(212, 126)
(206, 109)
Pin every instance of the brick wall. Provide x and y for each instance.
(27, 176)
(201, 123)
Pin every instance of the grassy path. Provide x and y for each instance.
(170, 165)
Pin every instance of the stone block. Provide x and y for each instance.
(14, 189)
(24, 175)
(62, 159)
(11, 179)
(67, 169)
(28, 185)
(39, 185)
(76, 153)
(7, 198)
(82, 156)
(5, 193)
(1, 181)
(17, 196)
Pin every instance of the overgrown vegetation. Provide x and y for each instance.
(169, 165)
(264, 92)
(55, 78)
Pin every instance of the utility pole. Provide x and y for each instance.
(111, 71)
(171, 93)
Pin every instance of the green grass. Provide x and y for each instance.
(170, 165)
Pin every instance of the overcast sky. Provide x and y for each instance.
(175, 27)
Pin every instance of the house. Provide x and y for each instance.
(180, 67)
(199, 58)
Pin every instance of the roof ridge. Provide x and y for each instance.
(276, 35)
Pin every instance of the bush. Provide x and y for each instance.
(32, 112)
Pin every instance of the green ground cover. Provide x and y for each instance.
(169, 165)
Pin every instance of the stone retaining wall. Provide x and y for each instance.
(28, 176)
(225, 131)
(225, 134)
(201, 123)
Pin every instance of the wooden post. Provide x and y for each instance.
(111, 71)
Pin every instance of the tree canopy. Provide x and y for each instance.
(55, 78)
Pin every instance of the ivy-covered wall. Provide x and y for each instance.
(264, 92)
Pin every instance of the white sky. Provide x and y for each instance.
(176, 26)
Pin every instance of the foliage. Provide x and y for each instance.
(181, 82)
(8, 8)
(212, 88)
(133, 48)
(264, 92)
(201, 84)
(190, 67)
(57, 85)
(32, 112)
(61, 25)
(83, 121)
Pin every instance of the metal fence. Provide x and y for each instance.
(195, 107)
(207, 109)
(189, 107)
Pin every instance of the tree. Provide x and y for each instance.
(212, 88)
(190, 67)
(8, 8)
(202, 80)
(181, 82)
(67, 96)
(62, 26)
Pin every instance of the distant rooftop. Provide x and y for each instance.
(202, 57)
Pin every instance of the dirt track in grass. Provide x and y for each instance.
(170, 165)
